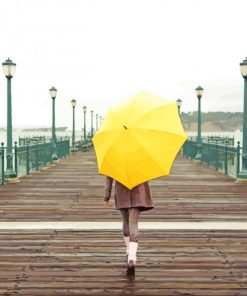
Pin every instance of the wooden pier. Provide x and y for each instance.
(170, 262)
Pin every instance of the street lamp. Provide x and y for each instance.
(73, 104)
(9, 70)
(91, 123)
(53, 93)
(97, 123)
(84, 111)
(199, 93)
(179, 103)
(243, 173)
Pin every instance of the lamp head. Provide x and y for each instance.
(53, 92)
(9, 68)
(243, 68)
(73, 103)
(199, 91)
(179, 102)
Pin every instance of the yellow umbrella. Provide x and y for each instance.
(139, 139)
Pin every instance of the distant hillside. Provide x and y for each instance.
(213, 121)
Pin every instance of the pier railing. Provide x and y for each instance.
(80, 144)
(31, 157)
(222, 157)
(216, 139)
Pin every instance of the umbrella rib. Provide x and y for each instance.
(176, 135)
(146, 151)
(108, 152)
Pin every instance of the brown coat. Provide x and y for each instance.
(138, 196)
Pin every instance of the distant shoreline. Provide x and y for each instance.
(38, 129)
(211, 127)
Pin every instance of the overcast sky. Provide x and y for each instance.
(102, 51)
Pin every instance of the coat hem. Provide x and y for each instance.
(141, 208)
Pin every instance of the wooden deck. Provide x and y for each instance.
(170, 262)
(73, 191)
(52, 263)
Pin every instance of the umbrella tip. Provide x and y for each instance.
(124, 126)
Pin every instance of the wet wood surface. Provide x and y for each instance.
(170, 262)
(73, 191)
(93, 263)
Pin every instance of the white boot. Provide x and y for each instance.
(127, 240)
(132, 252)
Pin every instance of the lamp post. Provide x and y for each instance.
(100, 120)
(73, 104)
(53, 93)
(91, 123)
(199, 93)
(97, 123)
(179, 103)
(243, 173)
(9, 70)
(84, 112)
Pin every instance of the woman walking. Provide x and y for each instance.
(130, 202)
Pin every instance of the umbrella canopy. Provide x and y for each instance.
(139, 139)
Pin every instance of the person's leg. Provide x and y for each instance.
(134, 214)
(126, 231)
(133, 245)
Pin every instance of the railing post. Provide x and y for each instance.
(238, 159)
(208, 151)
(44, 152)
(16, 158)
(216, 155)
(226, 158)
(2, 161)
(68, 150)
(36, 157)
(51, 159)
(27, 161)
(201, 149)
